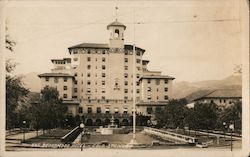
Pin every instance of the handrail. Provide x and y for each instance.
(170, 135)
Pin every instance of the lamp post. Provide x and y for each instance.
(231, 127)
(82, 133)
(224, 128)
(24, 124)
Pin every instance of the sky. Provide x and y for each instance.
(191, 40)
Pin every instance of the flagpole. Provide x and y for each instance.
(134, 83)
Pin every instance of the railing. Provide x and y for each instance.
(105, 115)
(90, 101)
(71, 136)
(170, 136)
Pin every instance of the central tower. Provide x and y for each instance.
(116, 39)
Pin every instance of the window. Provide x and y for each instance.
(103, 82)
(88, 82)
(166, 81)
(116, 35)
(75, 82)
(126, 83)
(103, 75)
(98, 110)
(80, 110)
(166, 97)
(166, 89)
(138, 83)
(157, 82)
(149, 97)
(116, 110)
(157, 89)
(89, 109)
(103, 59)
(88, 51)
(46, 79)
(103, 67)
(88, 59)
(149, 110)
(56, 80)
(149, 81)
(126, 60)
(138, 53)
(126, 98)
(88, 90)
(103, 52)
(75, 74)
(65, 96)
(126, 52)
(125, 111)
(125, 90)
(138, 76)
(138, 68)
(149, 89)
(75, 90)
(88, 66)
(75, 59)
(88, 75)
(138, 61)
(64, 87)
(103, 97)
(126, 75)
(103, 90)
(126, 67)
(224, 101)
(107, 110)
(138, 91)
(75, 52)
(65, 79)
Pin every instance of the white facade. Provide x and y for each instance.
(102, 76)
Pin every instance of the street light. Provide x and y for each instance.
(225, 127)
(231, 127)
(82, 133)
(24, 122)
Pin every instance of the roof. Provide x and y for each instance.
(55, 75)
(222, 93)
(102, 46)
(90, 45)
(156, 77)
(64, 59)
(116, 23)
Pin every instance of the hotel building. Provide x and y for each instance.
(97, 81)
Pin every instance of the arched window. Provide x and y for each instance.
(116, 35)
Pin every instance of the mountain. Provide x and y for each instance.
(192, 90)
(32, 82)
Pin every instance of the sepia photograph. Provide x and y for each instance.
(119, 78)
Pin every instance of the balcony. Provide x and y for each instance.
(105, 115)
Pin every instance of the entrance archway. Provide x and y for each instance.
(107, 122)
(98, 122)
(89, 122)
(124, 122)
(117, 122)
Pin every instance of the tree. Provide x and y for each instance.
(15, 90)
(233, 114)
(49, 112)
(173, 114)
(205, 115)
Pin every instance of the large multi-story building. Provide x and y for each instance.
(97, 81)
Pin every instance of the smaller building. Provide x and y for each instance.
(221, 97)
